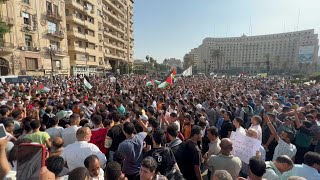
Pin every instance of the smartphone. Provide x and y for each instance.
(30, 159)
(3, 133)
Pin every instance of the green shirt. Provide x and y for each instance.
(38, 137)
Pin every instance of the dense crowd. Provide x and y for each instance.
(122, 129)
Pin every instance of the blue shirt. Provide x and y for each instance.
(303, 170)
(133, 149)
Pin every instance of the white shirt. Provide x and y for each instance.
(75, 154)
(284, 148)
(55, 131)
(241, 130)
(258, 128)
(69, 135)
(100, 177)
(178, 124)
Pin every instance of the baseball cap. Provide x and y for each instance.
(143, 117)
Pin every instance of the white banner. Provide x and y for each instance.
(244, 147)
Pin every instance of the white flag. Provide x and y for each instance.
(187, 72)
(87, 85)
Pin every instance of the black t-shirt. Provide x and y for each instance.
(192, 158)
(225, 127)
(164, 157)
(117, 136)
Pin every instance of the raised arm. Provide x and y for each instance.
(271, 128)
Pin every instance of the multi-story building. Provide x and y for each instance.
(191, 58)
(37, 28)
(100, 34)
(85, 36)
(274, 53)
(139, 66)
(173, 62)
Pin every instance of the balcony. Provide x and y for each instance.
(75, 19)
(6, 48)
(54, 16)
(27, 28)
(77, 34)
(113, 15)
(56, 34)
(60, 52)
(105, 33)
(115, 7)
(117, 28)
(8, 20)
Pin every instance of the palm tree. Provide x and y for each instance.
(217, 54)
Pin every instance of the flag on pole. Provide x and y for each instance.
(41, 89)
(163, 85)
(187, 72)
(169, 80)
(86, 84)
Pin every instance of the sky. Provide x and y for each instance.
(171, 28)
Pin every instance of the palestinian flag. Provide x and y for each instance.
(41, 88)
(169, 79)
(152, 83)
(86, 84)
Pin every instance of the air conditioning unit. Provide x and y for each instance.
(37, 48)
(23, 48)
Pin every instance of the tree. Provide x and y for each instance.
(4, 28)
(216, 54)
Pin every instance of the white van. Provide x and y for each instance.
(15, 79)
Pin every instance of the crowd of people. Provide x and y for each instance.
(122, 129)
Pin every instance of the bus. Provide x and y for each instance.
(15, 79)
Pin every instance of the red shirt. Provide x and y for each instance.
(98, 137)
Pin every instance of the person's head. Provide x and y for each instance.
(173, 131)
(222, 175)
(196, 133)
(55, 164)
(92, 164)
(296, 178)
(226, 146)
(257, 167)
(74, 119)
(253, 133)
(148, 168)
(256, 120)
(312, 159)
(113, 171)
(128, 128)
(237, 122)
(4, 112)
(9, 125)
(283, 163)
(16, 114)
(57, 142)
(213, 133)
(80, 173)
(158, 136)
(173, 117)
(97, 120)
(49, 109)
(150, 112)
(153, 122)
(83, 134)
(116, 116)
(35, 124)
(287, 136)
(119, 156)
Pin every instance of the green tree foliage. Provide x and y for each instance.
(4, 28)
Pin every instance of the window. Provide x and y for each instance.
(67, 12)
(49, 7)
(56, 64)
(26, 1)
(55, 44)
(28, 41)
(90, 45)
(26, 18)
(68, 27)
(89, 32)
(31, 64)
(52, 27)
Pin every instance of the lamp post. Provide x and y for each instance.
(205, 66)
(51, 52)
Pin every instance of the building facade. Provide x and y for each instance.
(100, 35)
(83, 36)
(191, 59)
(173, 62)
(36, 27)
(274, 53)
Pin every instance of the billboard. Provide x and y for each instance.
(306, 54)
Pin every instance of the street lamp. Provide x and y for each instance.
(205, 66)
(51, 52)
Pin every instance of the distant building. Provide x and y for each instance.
(273, 53)
(139, 66)
(191, 58)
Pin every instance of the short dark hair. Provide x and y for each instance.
(154, 122)
(55, 164)
(290, 134)
(35, 124)
(80, 173)
(150, 110)
(116, 116)
(128, 127)
(311, 158)
(90, 159)
(158, 136)
(239, 120)
(74, 117)
(3, 111)
(195, 130)
(149, 163)
(285, 159)
(16, 113)
(257, 166)
(173, 130)
(213, 131)
(113, 171)
(97, 120)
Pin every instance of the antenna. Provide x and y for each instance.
(250, 27)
